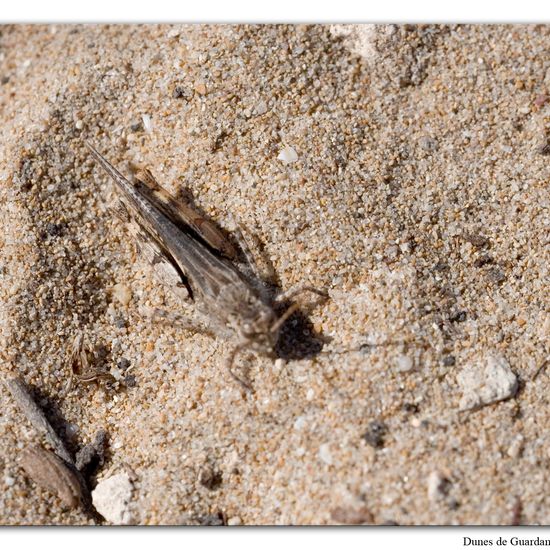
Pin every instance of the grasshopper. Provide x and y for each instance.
(180, 241)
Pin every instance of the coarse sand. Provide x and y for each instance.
(402, 168)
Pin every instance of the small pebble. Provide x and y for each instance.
(404, 363)
(200, 88)
(288, 155)
(123, 364)
(183, 93)
(112, 498)
(147, 123)
(325, 454)
(449, 361)
(261, 108)
(299, 423)
(487, 383)
(516, 448)
(122, 293)
(375, 433)
(9, 481)
(130, 380)
(235, 520)
(136, 126)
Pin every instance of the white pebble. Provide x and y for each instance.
(404, 363)
(324, 454)
(235, 520)
(122, 293)
(299, 423)
(9, 481)
(288, 155)
(112, 497)
(310, 394)
(147, 123)
(516, 448)
(483, 384)
(261, 108)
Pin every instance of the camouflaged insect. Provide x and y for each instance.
(179, 242)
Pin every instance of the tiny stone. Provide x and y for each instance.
(123, 364)
(136, 126)
(483, 385)
(210, 479)
(112, 497)
(496, 275)
(183, 93)
(404, 363)
(288, 155)
(5, 79)
(299, 423)
(200, 88)
(483, 260)
(120, 322)
(411, 408)
(427, 143)
(325, 454)
(449, 361)
(79, 125)
(122, 293)
(9, 481)
(516, 448)
(212, 520)
(130, 380)
(235, 520)
(477, 240)
(375, 433)
(55, 229)
(261, 108)
(147, 123)
(458, 317)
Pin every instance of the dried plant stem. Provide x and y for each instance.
(36, 417)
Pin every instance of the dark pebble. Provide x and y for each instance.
(123, 364)
(136, 126)
(476, 240)
(496, 276)
(410, 408)
(483, 260)
(213, 519)
(130, 381)
(55, 229)
(181, 92)
(210, 479)
(449, 361)
(375, 433)
(120, 322)
(458, 317)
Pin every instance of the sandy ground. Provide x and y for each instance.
(418, 199)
